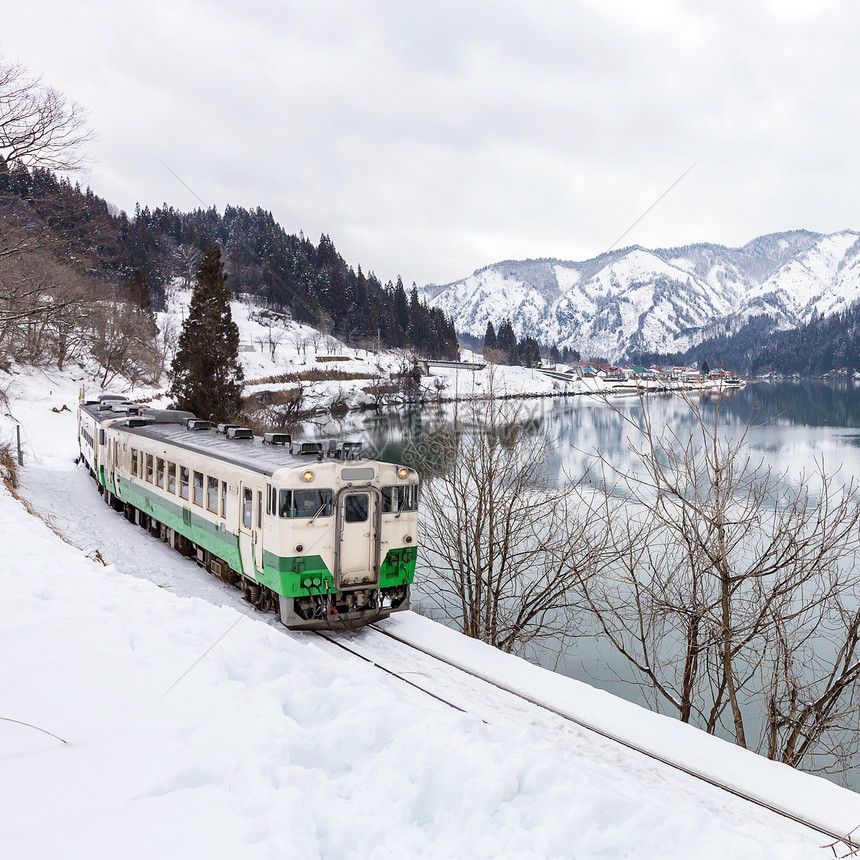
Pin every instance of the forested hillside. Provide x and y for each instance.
(59, 242)
(824, 345)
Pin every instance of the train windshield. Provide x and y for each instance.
(398, 499)
(305, 503)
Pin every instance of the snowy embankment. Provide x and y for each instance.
(194, 727)
(272, 347)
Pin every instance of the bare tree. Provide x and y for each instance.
(730, 588)
(496, 526)
(188, 257)
(42, 303)
(301, 340)
(39, 127)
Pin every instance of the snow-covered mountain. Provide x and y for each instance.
(664, 299)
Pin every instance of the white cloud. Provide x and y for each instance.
(432, 140)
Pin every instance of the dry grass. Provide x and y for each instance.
(9, 467)
(313, 375)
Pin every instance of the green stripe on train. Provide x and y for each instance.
(184, 521)
(296, 576)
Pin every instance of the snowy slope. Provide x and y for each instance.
(195, 729)
(665, 299)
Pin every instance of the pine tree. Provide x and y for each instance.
(490, 337)
(506, 341)
(206, 375)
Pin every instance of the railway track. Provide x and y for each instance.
(840, 841)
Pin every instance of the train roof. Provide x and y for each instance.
(169, 426)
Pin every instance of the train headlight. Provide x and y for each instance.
(307, 476)
(403, 472)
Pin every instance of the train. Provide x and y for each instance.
(311, 530)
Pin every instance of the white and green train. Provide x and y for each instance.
(326, 539)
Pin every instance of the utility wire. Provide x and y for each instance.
(649, 208)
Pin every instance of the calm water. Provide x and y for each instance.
(795, 424)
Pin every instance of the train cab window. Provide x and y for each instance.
(212, 494)
(198, 489)
(247, 507)
(134, 462)
(305, 503)
(159, 472)
(171, 477)
(398, 499)
(149, 469)
(183, 482)
(356, 507)
(224, 499)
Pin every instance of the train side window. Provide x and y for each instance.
(212, 494)
(247, 507)
(259, 509)
(224, 499)
(134, 462)
(198, 489)
(159, 472)
(269, 499)
(171, 477)
(398, 499)
(183, 482)
(149, 468)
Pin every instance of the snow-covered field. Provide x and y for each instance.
(195, 728)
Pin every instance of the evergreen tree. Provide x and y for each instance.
(506, 341)
(206, 375)
(490, 337)
(554, 355)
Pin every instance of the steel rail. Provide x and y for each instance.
(844, 839)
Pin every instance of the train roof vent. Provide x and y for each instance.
(169, 416)
(314, 448)
(277, 439)
(198, 424)
(223, 428)
(239, 433)
(138, 422)
(351, 450)
(104, 398)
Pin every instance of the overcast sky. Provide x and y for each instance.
(431, 139)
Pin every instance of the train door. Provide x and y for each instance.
(357, 548)
(251, 529)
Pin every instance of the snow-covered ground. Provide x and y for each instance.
(195, 728)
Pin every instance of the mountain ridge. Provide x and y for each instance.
(665, 299)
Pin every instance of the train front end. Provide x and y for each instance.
(343, 548)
